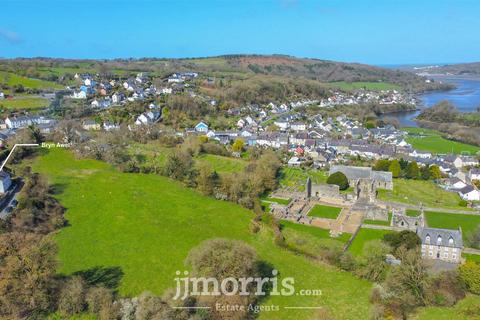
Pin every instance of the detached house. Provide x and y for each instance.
(469, 193)
(441, 244)
(148, 117)
(201, 127)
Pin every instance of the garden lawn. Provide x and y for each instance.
(145, 225)
(277, 200)
(364, 235)
(379, 222)
(452, 221)
(322, 211)
(432, 141)
(314, 231)
(412, 213)
(24, 103)
(419, 191)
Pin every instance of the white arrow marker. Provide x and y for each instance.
(13, 149)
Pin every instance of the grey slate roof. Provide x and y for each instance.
(445, 234)
(354, 173)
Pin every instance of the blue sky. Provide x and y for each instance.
(375, 32)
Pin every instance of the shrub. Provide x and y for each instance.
(470, 274)
(338, 179)
(405, 238)
(72, 297)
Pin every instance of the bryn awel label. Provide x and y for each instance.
(49, 145)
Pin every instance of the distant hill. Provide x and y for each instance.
(459, 69)
(224, 66)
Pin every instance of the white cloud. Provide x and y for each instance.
(10, 36)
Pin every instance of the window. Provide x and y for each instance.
(445, 255)
(454, 256)
(430, 253)
(427, 239)
(450, 241)
(439, 240)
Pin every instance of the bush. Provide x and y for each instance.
(463, 203)
(99, 300)
(405, 238)
(446, 289)
(72, 297)
(338, 179)
(470, 274)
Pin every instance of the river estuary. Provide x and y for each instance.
(466, 97)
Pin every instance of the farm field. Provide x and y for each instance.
(363, 236)
(322, 211)
(24, 102)
(12, 79)
(123, 222)
(418, 191)
(452, 221)
(364, 85)
(432, 141)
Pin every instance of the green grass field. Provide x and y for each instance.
(322, 211)
(154, 152)
(472, 257)
(379, 222)
(314, 231)
(432, 141)
(420, 191)
(363, 236)
(466, 309)
(297, 177)
(222, 164)
(24, 103)
(374, 86)
(452, 221)
(145, 225)
(277, 200)
(12, 79)
(412, 213)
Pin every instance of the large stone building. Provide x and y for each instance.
(380, 179)
(441, 244)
